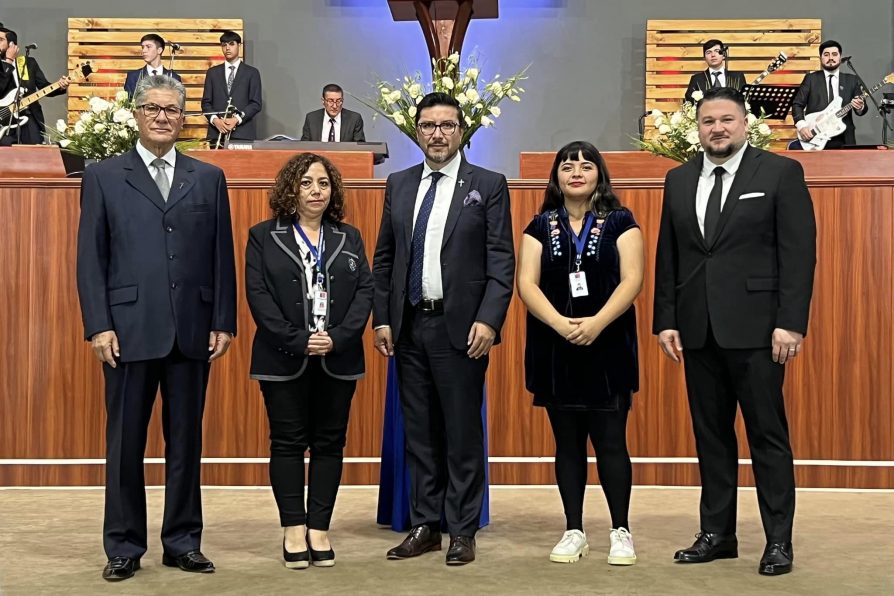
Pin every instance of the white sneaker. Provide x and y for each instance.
(570, 548)
(622, 552)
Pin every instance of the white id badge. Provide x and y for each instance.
(321, 297)
(578, 281)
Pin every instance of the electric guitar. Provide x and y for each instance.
(829, 123)
(10, 111)
(777, 62)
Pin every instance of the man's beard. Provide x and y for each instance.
(831, 68)
(725, 152)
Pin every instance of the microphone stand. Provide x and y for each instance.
(878, 108)
(173, 52)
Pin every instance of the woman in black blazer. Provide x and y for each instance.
(307, 353)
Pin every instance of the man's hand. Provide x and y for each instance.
(105, 347)
(588, 329)
(805, 134)
(63, 82)
(383, 341)
(786, 345)
(319, 344)
(230, 123)
(220, 126)
(218, 343)
(481, 338)
(671, 344)
(859, 103)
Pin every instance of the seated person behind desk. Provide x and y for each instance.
(716, 74)
(339, 124)
(814, 95)
(152, 46)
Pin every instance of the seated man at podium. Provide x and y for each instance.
(152, 46)
(233, 83)
(716, 74)
(333, 123)
(822, 87)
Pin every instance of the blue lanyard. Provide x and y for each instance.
(316, 251)
(580, 240)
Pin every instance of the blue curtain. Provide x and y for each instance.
(394, 476)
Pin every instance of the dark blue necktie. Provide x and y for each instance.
(417, 248)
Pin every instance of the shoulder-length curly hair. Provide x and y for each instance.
(284, 194)
(602, 201)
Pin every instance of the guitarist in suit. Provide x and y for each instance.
(26, 74)
(716, 75)
(236, 80)
(152, 46)
(820, 88)
(333, 123)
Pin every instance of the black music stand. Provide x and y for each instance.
(774, 100)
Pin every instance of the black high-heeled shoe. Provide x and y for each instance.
(320, 558)
(300, 560)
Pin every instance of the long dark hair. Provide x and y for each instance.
(283, 195)
(603, 200)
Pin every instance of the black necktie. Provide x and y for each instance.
(417, 247)
(332, 130)
(712, 212)
(716, 84)
(831, 89)
(154, 72)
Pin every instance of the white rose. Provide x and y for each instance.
(764, 128)
(462, 99)
(412, 111)
(61, 125)
(751, 118)
(121, 96)
(123, 133)
(453, 58)
(64, 143)
(472, 73)
(99, 127)
(473, 95)
(120, 116)
(385, 91)
(486, 122)
(692, 137)
(468, 121)
(479, 105)
(398, 118)
(656, 113)
(447, 82)
(659, 121)
(676, 118)
(79, 127)
(132, 123)
(664, 129)
(495, 111)
(418, 99)
(98, 105)
(395, 95)
(697, 95)
(415, 90)
(86, 116)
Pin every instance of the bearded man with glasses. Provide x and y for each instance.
(157, 288)
(443, 272)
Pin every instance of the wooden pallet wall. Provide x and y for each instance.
(112, 46)
(674, 53)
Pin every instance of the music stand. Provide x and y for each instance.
(774, 100)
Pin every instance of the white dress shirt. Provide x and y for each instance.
(159, 70)
(432, 288)
(327, 124)
(721, 78)
(170, 159)
(706, 183)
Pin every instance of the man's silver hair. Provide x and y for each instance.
(145, 84)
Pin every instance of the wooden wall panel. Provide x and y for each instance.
(839, 392)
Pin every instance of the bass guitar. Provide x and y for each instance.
(10, 111)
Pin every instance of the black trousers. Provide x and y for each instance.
(130, 393)
(308, 412)
(441, 393)
(716, 380)
(608, 433)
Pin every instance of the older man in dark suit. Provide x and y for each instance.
(332, 123)
(235, 82)
(443, 272)
(157, 287)
(716, 75)
(822, 87)
(733, 281)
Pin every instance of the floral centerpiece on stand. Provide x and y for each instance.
(477, 98)
(677, 136)
(108, 128)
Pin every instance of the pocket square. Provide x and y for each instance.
(473, 198)
(751, 195)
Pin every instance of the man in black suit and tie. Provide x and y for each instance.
(332, 123)
(733, 281)
(235, 81)
(443, 272)
(152, 46)
(716, 74)
(820, 88)
(157, 286)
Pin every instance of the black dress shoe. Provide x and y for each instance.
(709, 546)
(299, 560)
(320, 558)
(119, 568)
(461, 551)
(420, 540)
(777, 559)
(193, 561)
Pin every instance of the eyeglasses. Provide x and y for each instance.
(334, 102)
(152, 111)
(447, 128)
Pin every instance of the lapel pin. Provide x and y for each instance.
(180, 187)
(461, 182)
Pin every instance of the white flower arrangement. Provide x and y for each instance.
(478, 99)
(677, 136)
(108, 128)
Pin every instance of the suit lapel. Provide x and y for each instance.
(334, 241)
(284, 238)
(690, 190)
(408, 203)
(746, 171)
(184, 179)
(464, 183)
(138, 177)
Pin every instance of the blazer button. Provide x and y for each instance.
(170, 228)
(173, 285)
(170, 257)
(295, 280)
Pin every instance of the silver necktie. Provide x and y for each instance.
(161, 179)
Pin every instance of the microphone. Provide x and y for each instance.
(175, 46)
(846, 58)
(33, 46)
(724, 49)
